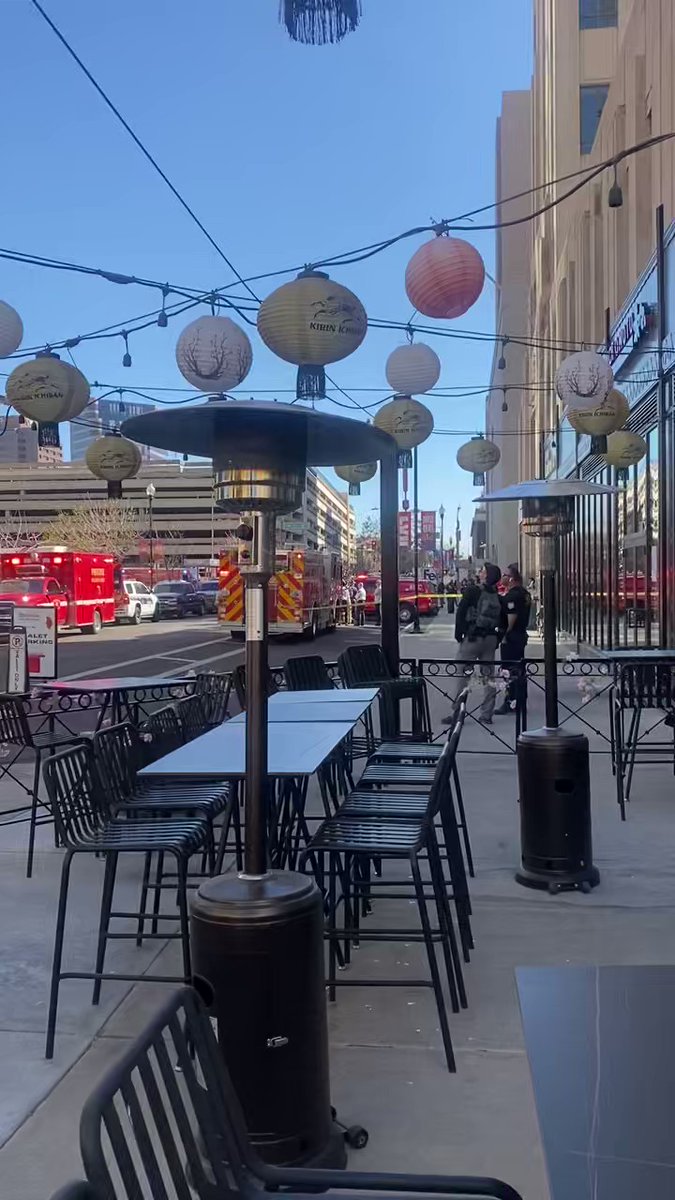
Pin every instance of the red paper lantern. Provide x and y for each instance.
(444, 277)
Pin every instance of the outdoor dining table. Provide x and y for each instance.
(296, 751)
(328, 695)
(602, 1059)
(121, 697)
(322, 711)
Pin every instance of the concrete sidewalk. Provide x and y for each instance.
(387, 1065)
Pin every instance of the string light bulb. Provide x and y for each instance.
(501, 364)
(162, 319)
(126, 361)
(615, 195)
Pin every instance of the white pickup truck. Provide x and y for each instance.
(139, 603)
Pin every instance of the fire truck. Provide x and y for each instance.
(78, 584)
(302, 596)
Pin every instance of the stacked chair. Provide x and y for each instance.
(366, 666)
(397, 814)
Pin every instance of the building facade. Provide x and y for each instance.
(20, 443)
(506, 406)
(603, 82)
(103, 415)
(185, 517)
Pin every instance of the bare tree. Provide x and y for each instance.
(16, 533)
(96, 526)
(368, 551)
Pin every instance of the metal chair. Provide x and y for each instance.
(307, 673)
(351, 845)
(239, 684)
(214, 690)
(191, 713)
(165, 1120)
(15, 730)
(85, 825)
(165, 734)
(366, 666)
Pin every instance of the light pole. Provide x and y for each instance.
(458, 537)
(151, 492)
(441, 513)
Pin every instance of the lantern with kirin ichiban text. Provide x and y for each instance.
(356, 475)
(478, 456)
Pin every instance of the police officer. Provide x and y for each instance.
(516, 602)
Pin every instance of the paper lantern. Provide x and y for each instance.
(624, 450)
(478, 456)
(114, 458)
(412, 369)
(583, 380)
(214, 353)
(47, 390)
(11, 329)
(444, 277)
(356, 475)
(602, 419)
(316, 22)
(312, 321)
(408, 421)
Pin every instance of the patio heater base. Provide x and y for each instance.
(259, 964)
(555, 811)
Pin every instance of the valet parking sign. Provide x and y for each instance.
(40, 626)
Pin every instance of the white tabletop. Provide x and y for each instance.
(294, 749)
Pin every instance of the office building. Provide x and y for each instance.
(20, 443)
(103, 415)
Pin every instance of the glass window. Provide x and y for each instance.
(592, 98)
(142, 589)
(598, 14)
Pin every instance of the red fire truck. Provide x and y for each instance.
(426, 601)
(303, 591)
(79, 585)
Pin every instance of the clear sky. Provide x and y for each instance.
(288, 154)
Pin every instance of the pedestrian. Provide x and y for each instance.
(516, 603)
(360, 604)
(377, 600)
(479, 625)
(347, 604)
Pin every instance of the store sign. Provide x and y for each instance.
(633, 327)
(428, 530)
(40, 626)
(405, 530)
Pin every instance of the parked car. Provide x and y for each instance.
(136, 603)
(178, 598)
(209, 588)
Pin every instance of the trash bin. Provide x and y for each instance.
(257, 946)
(555, 811)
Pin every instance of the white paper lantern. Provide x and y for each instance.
(214, 353)
(412, 369)
(583, 380)
(114, 458)
(478, 456)
(47, 390)
(11, 329)
(356, 475)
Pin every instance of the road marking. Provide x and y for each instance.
(99, 672)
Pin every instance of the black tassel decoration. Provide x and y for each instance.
(311, 383)
(316, 22)
(599, 444)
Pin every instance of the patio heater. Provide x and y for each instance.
(257, 936)
(553, 763)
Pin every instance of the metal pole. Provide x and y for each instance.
(389, 555)
(442, 587)
(662, 404)
(416, 545)
(550, 646)
(256, 578)
(152, 544)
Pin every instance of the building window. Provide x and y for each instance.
(598, 14)
(592, 98)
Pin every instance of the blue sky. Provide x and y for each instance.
(287, 153)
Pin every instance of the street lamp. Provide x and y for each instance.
(553, 764)
(268, 924)
(151, 492)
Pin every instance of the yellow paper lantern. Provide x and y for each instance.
(47, 390)
(356, 475)
(312, 321)
(601, 420)
(114, 458)
(478, 456)
(408, 421)
(624, 450)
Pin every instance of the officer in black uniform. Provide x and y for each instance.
(516, 602)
